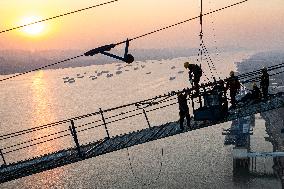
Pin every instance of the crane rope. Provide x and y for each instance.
(202, 47)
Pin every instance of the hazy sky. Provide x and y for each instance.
(257, 23)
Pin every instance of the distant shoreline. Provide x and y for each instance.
(12, 62)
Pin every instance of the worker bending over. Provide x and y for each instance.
(194, 73)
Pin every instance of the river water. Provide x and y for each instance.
(197, 159)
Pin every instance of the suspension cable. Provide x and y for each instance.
(40, 68)
(58, 16)
(256, 79)
(256, 72)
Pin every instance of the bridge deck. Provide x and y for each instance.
(67, 156)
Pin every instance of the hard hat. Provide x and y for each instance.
(254, 85)
(232, 73)
(186, 64)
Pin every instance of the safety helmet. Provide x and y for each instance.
(232, 73)
(254, 85)
(186, 64)
(179, 93)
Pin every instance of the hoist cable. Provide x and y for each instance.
(214, 33)
(184, 21)
(213, 65)
(207, 52)
(208, 63)
(199, 51)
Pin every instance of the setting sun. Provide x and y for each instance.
(35, 29)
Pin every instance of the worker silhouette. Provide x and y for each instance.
(255, 93)
(264, 82)
(183, 109)
(253, 96)
(194, 73)
(234, 86)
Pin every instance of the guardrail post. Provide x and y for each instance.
(75, 137)
(103, 118)
(2, 155)
(192, 101)
(146, 118)
(200, 100)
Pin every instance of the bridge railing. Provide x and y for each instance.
(49, 138)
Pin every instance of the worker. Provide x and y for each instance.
(195, 73)
(264, 82)
(253, 96)
(234, 86)
(183, 109)
(255, 93)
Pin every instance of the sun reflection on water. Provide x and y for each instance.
(41, 107)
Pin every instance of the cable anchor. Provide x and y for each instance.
(128, 58)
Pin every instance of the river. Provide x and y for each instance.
(195, 159)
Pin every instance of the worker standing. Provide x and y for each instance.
(264, 82)
(234, 86)
(253, 96)
(183, 110)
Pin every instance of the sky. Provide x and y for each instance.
(255, 24)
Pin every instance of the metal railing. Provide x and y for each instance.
(73, 129)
